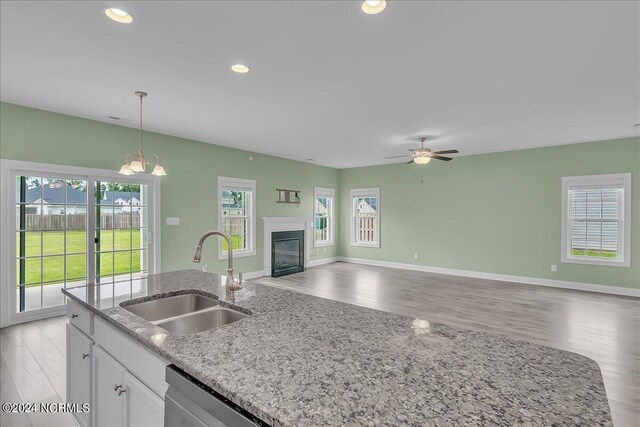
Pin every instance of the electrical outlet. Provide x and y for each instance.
(554, 268)
(416, 255)
(204, 267)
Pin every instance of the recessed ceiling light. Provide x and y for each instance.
(118, 15)
(240, 68)
(371, 7)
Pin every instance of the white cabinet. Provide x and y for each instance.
(142, 406)
(121, 399)
(79, 369)
(109, 388)
(121, 380)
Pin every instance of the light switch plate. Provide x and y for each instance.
(554, 268)
(173, 220)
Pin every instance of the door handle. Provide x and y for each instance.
(73, 316)
(85, 355)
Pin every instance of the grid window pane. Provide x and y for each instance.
(122, 262)
(76, 217)
(106, 263)
(33, 270)
(53, 242)
(76, 267)
(122, 239)
(53, 269)
(76, 241)
(33, 243)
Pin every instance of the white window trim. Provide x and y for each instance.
(364, 192)
(587, 180)
(330, 193)
(250, 185)
(8, 170)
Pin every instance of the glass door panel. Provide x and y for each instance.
(49, 233)
(121, 235)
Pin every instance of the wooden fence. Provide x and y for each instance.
(365, 229)
(79, 221)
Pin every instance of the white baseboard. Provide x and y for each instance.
(589, 287)
(323, 261)
(252, 274)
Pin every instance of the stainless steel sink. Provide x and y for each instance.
(201, 321)
(165, 308)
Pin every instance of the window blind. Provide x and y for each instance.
(595, 220)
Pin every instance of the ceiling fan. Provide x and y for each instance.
(422, 155)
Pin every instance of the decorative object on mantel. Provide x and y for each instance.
(288, 196)
(139, 163)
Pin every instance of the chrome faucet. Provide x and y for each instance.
(231, 285)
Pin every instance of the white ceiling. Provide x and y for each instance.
(330, 83)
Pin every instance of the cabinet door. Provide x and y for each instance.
(79, 361)
(143, 407)
(109, 391)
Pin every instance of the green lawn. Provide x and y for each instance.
(582, 252)
(236, 242)
(53, 244)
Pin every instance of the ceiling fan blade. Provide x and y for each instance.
(410, 161)
(445, 152)
(395, 157)
(446, 159)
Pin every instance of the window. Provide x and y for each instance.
(365, 217)
(596, 213)
(237, 215)
(323, 215)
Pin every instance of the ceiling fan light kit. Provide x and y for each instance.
(422, 155)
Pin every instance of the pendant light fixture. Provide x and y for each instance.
(139, 163)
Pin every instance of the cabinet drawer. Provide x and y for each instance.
(80, 317)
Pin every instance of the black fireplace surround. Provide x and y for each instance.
(287, 252)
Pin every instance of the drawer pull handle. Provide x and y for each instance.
(85, 355)
(118, 389)
(73, 316)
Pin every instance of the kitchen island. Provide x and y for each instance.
(302, 360)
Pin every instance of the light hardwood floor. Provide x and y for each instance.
(603, 327)
(33, 369)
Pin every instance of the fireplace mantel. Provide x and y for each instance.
(285, 223)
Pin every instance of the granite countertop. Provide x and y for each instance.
(300, 360)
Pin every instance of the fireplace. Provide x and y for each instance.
(287, 252)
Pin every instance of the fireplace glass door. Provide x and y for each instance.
(287, 253)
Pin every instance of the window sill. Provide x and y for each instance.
(223, 255)
(321, 244)
(366, 245)
(600, 262)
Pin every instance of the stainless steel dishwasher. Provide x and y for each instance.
(189, 403)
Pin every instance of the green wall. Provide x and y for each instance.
(190, 189)
(494, 213)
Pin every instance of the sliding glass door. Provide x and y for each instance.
(75, 229)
